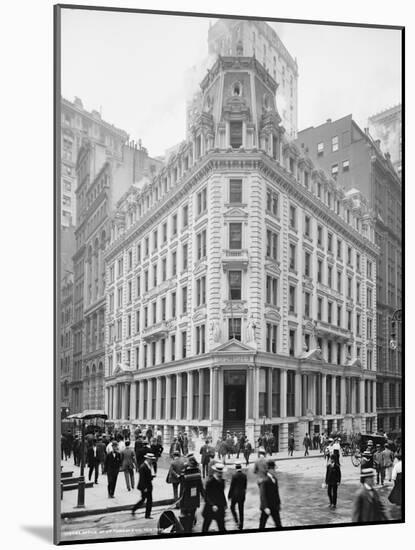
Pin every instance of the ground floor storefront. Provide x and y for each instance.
(239, 390)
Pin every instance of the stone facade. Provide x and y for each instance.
(240, 281)
(386, 127)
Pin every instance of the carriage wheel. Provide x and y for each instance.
(356, 459)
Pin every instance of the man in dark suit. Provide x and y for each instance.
(101, 452)
(207, 453)
(270, 497)
(215, 504)
(174, 474)
(191, 488)
(333, 478)
(92, 459)
(141, 449)
(236, 495)
(145, 485)
(128, 463)
(368, 506)
(112, 467)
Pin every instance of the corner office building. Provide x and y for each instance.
(241, 282)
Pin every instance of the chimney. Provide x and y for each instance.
(328, 121)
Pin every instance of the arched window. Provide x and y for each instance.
(237, 89)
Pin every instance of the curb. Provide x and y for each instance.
(110, 509)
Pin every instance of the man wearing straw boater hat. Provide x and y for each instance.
(145, 484)
(215, 500)
(368, 506)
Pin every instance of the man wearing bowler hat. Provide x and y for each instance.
(145, 484)
(367, 506)
(215, 500)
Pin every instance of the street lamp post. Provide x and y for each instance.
(81, 482)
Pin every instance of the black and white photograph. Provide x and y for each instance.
(229, 351)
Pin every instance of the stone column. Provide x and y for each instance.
(353, 395)
(323, 394)
(227, 135)
(256, 394)
(375, 418)
(333, 394)
(141, 412)
(244, 144)
(189, 396)
(107, 402)
(283, 393)
(168, 397)
(212, 409)
(269, 392)
(362, 396)
(158, 398)
(149, 398)
(342, 395)
(116, 387)
(133, 399)
(298, 394)
(178, 397)
(250, 393)
(201, 390)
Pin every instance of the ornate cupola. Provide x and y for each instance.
(237, 109)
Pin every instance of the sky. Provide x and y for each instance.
(134, 68)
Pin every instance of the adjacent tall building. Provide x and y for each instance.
(386, 127)
(356, 161)
(241, 280)
(102, 179)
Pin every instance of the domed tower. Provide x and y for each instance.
(238, 109)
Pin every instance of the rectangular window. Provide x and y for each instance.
(349, 320)
(145, 317)
(349, 287)
(349, 255)
(276, 393)
(146, 281)
(235, 236)
(329, 312)
(146, 246)
(235, 285)
(307, 264)
(339, 316)
(235, 127)
(119, 297)
(329, 242)
(339, 249)
(235, 328)
(154, 275)
(184, 256)
(358, 262)
(307, 301)
(174, 225)
(319, 271)
(173, 347)
(163, 269)
(319, 308)
(319, 235)
(201, 291)
(235, 191)
(290, 393)
(345, 165)
(200, 339)
(154, 312)
(334, 171)
(201, 201)
(369, 269)
(320, 149)
(306, 179)
(271, 290)
(129, 325)
(173, 304)
(307, 226)
(130, 259)
(129, 291)
(163, 350)
(173, 264)
(201, 245)
(292, 257)
(164, 232)
(358, 292)
(185, 216)
(184, 299)
(292, 342)
(155, 240)
(163, 309)
(358, 324)
(271, 343)
(272, 245)
(329, 276)
(293, 217)
(335, 143)
(292, 290)
(329, 351)
(184, 344)
(339, 281)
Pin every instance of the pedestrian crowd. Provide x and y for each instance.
(193, 483)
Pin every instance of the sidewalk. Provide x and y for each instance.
(96, 497)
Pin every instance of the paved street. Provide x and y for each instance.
(304, 502)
